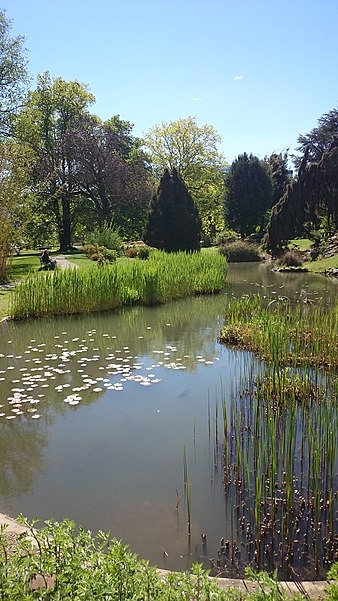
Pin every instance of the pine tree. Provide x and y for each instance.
(174, 222)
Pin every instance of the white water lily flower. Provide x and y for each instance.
(36, 416)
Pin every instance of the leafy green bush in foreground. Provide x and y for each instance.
(60, 562)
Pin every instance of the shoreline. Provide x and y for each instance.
(309, 590)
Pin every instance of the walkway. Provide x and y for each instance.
(309, 590)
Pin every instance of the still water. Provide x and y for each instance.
(97, 413)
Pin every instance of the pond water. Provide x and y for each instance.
(101, 414)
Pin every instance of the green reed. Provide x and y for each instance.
(280, 463)
(162, 278)
(283, 334)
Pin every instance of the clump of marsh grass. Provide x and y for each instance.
(296, 335)
(240, 251)
(161, 278)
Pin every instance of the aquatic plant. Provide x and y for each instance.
(301, 334)
(161, 278)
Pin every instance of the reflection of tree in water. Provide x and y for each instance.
(21, 450)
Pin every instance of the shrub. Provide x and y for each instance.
(100, 253)
(291, 258)
(137, 251)
(240, 252)
(106, 237)
(228, 235)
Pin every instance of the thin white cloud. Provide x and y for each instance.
(197, 99)
(238, 77)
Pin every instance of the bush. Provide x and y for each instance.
(107, 238)
(100, 253)
(137, 251)
(291, 258)
(226, 236)
(240, 252)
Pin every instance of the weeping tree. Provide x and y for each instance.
(174, 223)
(310, 197)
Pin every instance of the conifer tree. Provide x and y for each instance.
(174, 222)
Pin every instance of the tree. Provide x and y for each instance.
(249, 194)
(280, 174)
(111, 173)
(174, 222)
(13, 75)
(319, 139)
(311, 196)
(14, 164)
(192, 150)
(51, 112)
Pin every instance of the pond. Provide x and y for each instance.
(104, 417)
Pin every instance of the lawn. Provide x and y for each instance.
(301, 244)
(322, 265)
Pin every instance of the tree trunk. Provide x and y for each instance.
(65, 229)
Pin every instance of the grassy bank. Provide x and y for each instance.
(163, 277)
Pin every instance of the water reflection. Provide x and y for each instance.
(118, 397)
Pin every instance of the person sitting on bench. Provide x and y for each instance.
(46, 261)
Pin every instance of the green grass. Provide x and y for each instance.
(300, 244)
(282, 334)
(161, 278)
(322, 265)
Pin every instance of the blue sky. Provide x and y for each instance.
(260, 71)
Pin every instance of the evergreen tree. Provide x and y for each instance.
(249, 194)
(174, 222)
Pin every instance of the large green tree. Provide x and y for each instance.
(51, 112)
(174, 222)
(248, 195)
(13, 75)
(319, 139)
(281, 175)
(193, 151)
(14, 169)
(111, 173)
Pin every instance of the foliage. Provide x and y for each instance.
(50, 113)
(310, 201)
(332, 589)
(62, 561)
(319, 139)
(161, 278)
(227, 235)
(137, 251)
(311, 195)
(249, 194)
(240, 251)
(107, 237)
(192, 150)
(301, 335)
(13, 75)
(280, 175)
(291, 258)
(111, 173)
(100, 254)
(174, 222)
(13, 179)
